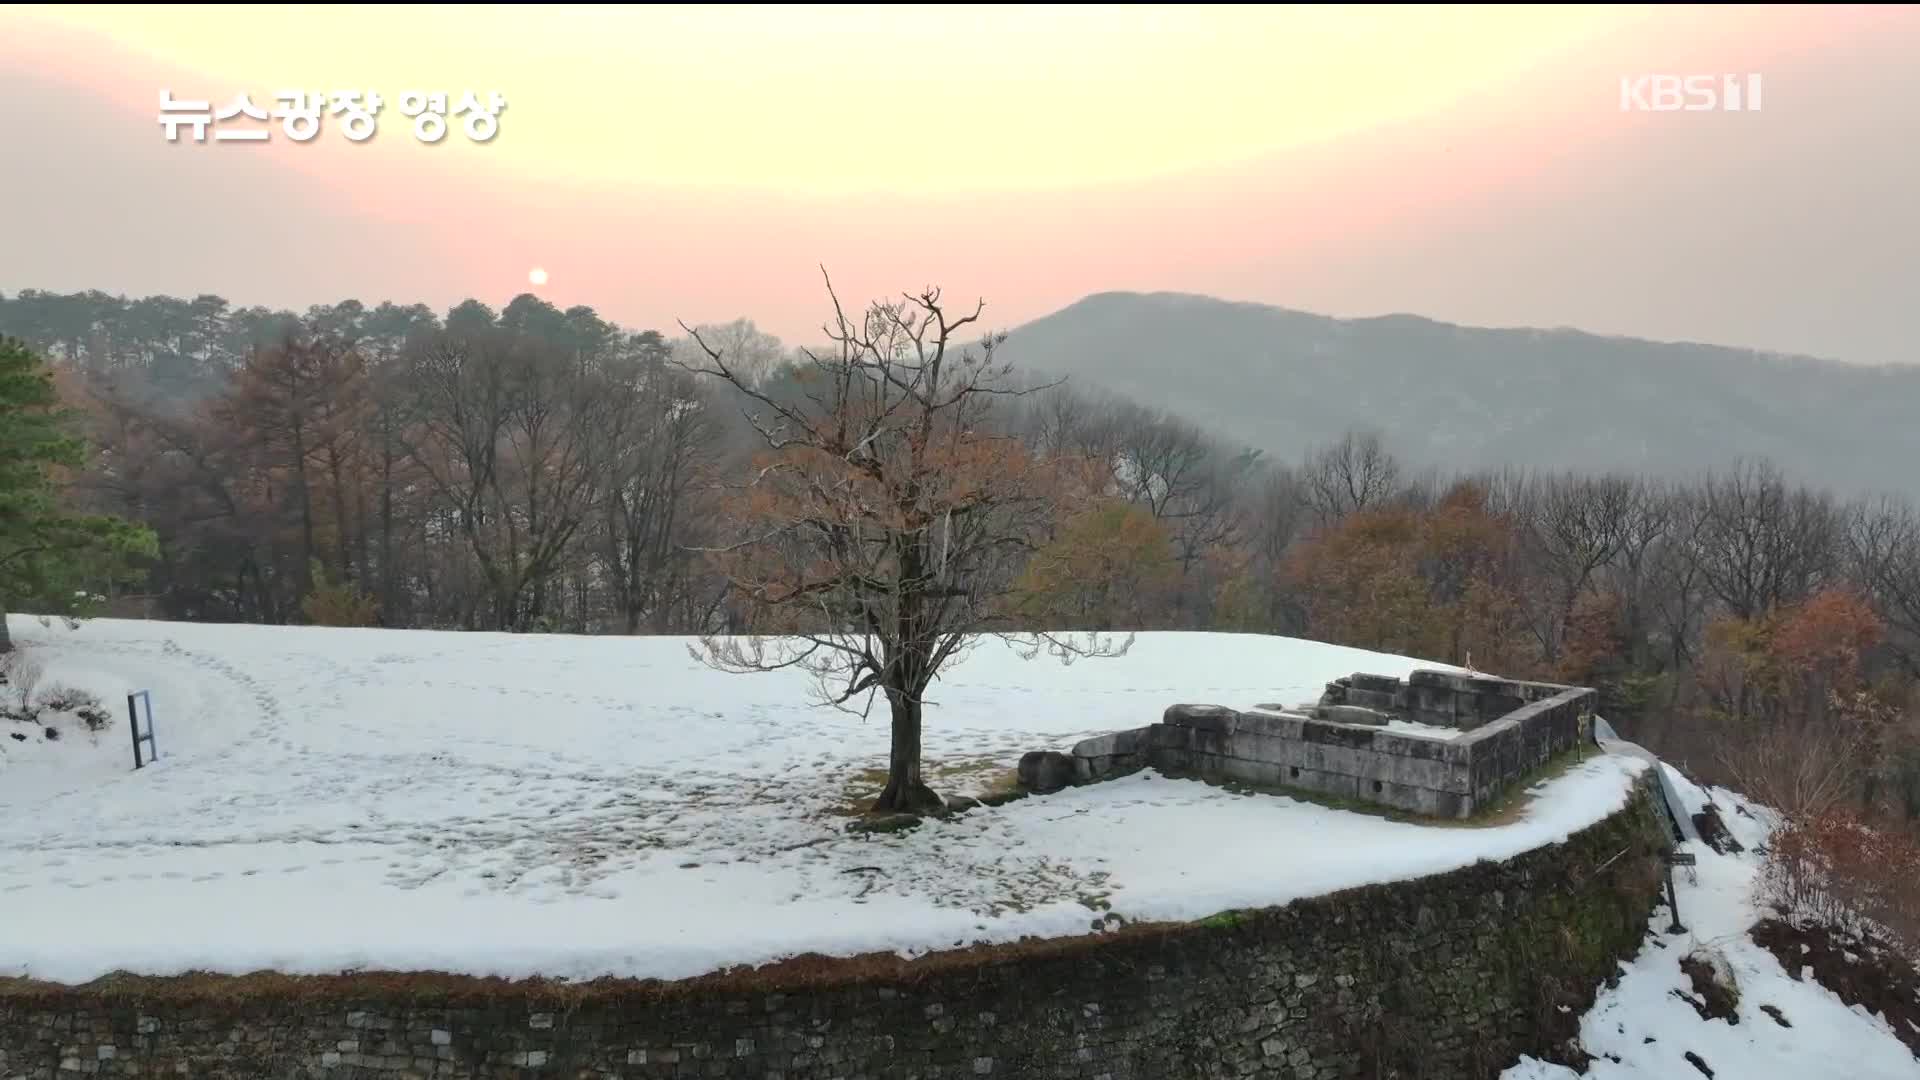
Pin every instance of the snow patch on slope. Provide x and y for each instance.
(1639, 1030)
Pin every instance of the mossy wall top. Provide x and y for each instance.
(1449, 976)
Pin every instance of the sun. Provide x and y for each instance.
(537, 276)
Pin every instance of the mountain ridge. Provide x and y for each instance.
(1416, 317)
(1452, 396)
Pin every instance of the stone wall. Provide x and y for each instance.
(1509, 729)
(1441, 698)
(1451, 976)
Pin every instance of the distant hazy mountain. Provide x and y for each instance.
(1451, 396)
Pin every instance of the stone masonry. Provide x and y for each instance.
(1453, 975)
(1338, 747)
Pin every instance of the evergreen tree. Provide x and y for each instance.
(48, 554)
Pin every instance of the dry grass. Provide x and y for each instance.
(1511, 806)
(810, 971)
(984, 778)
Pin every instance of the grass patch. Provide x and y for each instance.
(869, 824)
(1511, 805)
(858, 792)
(1224, 920)
(983, 778)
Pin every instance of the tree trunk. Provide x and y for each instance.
(304, 576)
(343, 555)
(905, 792)
(388, 577)
(6, 635)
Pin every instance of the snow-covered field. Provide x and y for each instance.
(1640, 1031)
(332, 800)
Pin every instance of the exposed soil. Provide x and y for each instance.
(1714, 831)
(1716, 1002)
(1863, 973)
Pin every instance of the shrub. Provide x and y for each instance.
(1847, 874)
(62, 698)
(337, 603)
(20, 671)
(1807, 768)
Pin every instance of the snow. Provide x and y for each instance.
(1396, 725)
(1649, 1031)
(333, 800)
(1422, 731)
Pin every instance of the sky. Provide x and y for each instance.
(1471, 164)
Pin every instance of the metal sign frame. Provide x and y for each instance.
(133, 725)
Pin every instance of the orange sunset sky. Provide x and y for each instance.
(1470, 164)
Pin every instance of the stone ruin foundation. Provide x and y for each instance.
(1476, 738)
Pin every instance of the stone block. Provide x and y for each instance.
(1131, 741)
(1386, 684)
(1046, 771)
(1352, 714)
(1216, 718)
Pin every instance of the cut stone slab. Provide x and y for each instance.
(1204, 717)
(1352, 714)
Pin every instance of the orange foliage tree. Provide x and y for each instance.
(1848, 872)
(1469, 559)
(1111, 566)
(1823, 640)
(1361, 583)
(1788, 663)
(1437, 583)
(885, 524)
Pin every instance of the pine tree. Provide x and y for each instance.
(48, 554)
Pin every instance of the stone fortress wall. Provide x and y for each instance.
(1449, 976)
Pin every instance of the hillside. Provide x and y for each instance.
(1464, 397)
(498, 804)
(366, 801)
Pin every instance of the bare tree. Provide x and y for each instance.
(1356, 473)
(884, 524)
(1190, 483)
(1678, 588)
(1762, 544)
(661, 435)
(752, 354)
(1276, 520)
(1647, 522)
(1883, 549)
(1575, 526)
(511, 437)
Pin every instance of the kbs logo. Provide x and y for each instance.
(1690, 93)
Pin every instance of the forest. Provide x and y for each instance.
(534, 469)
